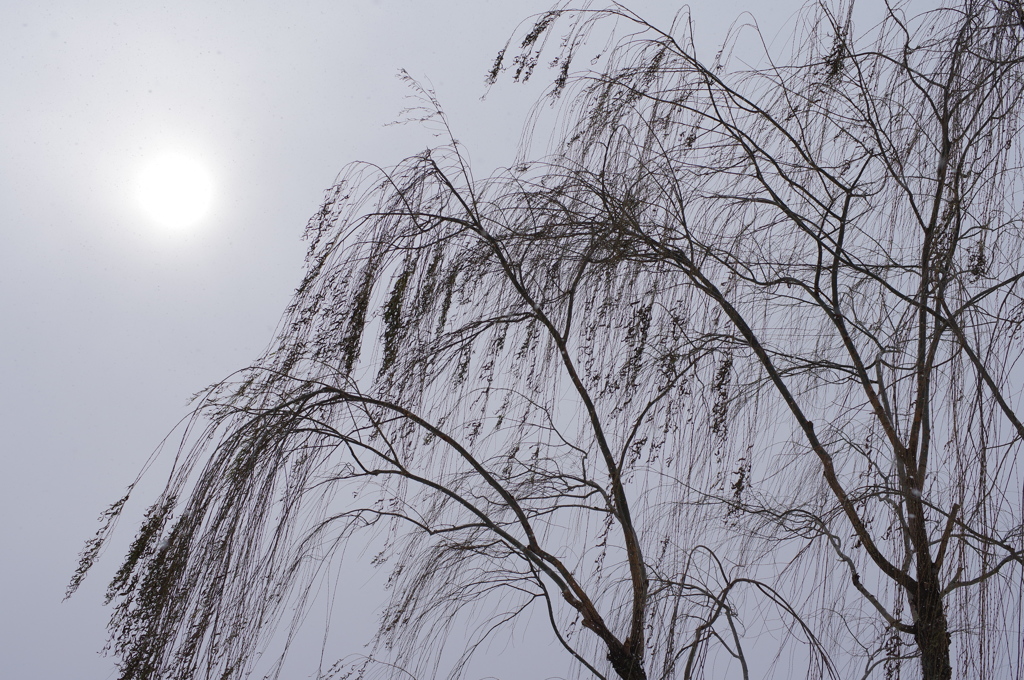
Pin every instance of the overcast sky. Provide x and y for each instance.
(111, 322)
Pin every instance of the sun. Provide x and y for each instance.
(175, 190)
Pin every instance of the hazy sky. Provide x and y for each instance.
(110, 322)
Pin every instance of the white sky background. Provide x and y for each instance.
(110, 323)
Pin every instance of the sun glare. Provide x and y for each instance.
(175, 190)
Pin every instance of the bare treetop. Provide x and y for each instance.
(725, 385)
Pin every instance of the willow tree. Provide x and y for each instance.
(724, 385)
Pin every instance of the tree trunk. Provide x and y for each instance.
(931, 630)
(627, 665)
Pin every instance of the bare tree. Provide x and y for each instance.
(724, 384)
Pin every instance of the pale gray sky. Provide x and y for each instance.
(109, 322)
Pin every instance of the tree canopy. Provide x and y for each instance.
(724, 385)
